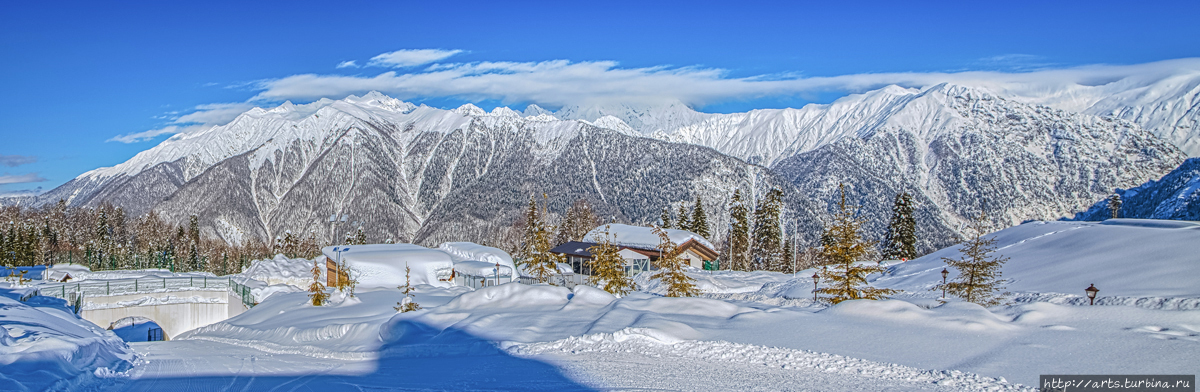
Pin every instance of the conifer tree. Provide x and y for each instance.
(768, 236)
(683, 222)
(665, 218)
(579, 221)
(699, 219)
(409, 303)
(671, 268)
(978, 279)
(538, 259)
(901, 237)
(789, 253)
(359, 238)
(739, 232)
(317, 290)
(1114, 205)
(608, 267)
(844, 246)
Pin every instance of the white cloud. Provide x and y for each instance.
(20, 178)
(16, 160)
(561, 82)
(348, 64)
(410, 57)
(204, 117)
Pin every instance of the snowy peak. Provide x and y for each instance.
(646, 119)
(535, 111)
(470, 110)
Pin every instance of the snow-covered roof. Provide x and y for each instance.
(642, 237)
(382, 265)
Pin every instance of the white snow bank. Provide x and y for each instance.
(282, 270)
(1132, 261)
(135, 274)
(641, 237)
(716, 282)
(153, 300)
(383, 265)
(44, 346)
(470, 251)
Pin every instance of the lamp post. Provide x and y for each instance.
(1091, 293)
(944, 274)
(816, 279)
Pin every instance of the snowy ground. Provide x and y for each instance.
(750, 331)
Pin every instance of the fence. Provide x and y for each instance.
(243, 292)
(133, 286)
(566, 280)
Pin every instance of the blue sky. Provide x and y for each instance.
(78, 77)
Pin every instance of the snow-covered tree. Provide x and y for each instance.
(358, 238)
(699, 221)
(1114, 205)
(316, 290)
(579, 221)
(537, 258)
(901, 237)
(768, 236)
(978, 279)
(608, 267)
(671, 268)
(409, 303)
(683, 221)
(665, 217)
(739, 233)
(844, 247)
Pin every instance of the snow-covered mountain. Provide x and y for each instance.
(417, 173)
(1175, 196)
(404, 172)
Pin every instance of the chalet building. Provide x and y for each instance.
(639, 247)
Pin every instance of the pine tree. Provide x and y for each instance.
(608, 267)
(739, 233)
(670, 268)
(768, 237)
(579, 221)
(194, 243)
(359, 238)
(317, 290)
(665, 217)
(901, 237)
(699, 219)
(409, 303)
(1114, 205)
(789, 253)
(844, 247)
(683, 221)
(978, 279)
(538, 260)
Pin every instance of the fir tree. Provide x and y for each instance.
(671, 268)
(739, 233)
(538, 259)
(317, 290)
(409, 303)
(608, 267)
(978, 279)
(359, 238)
(1114, 205)
(665, 217)
(789, 253)
(579, 221)
(194, 243)
(768, 237)
(844, 247)
(699, 221)
(901, 237)
(682, 220)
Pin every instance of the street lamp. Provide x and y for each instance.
(1091, 293)
(816, 278)
(944, 274)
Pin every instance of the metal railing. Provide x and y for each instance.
(243, 292)
(133, 286)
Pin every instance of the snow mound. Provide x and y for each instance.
(958, 315)
(281, 270)
(45, 346)
(1137, 262)
(383, 265)
(510, 296)
(469, 251)
(716, 282)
